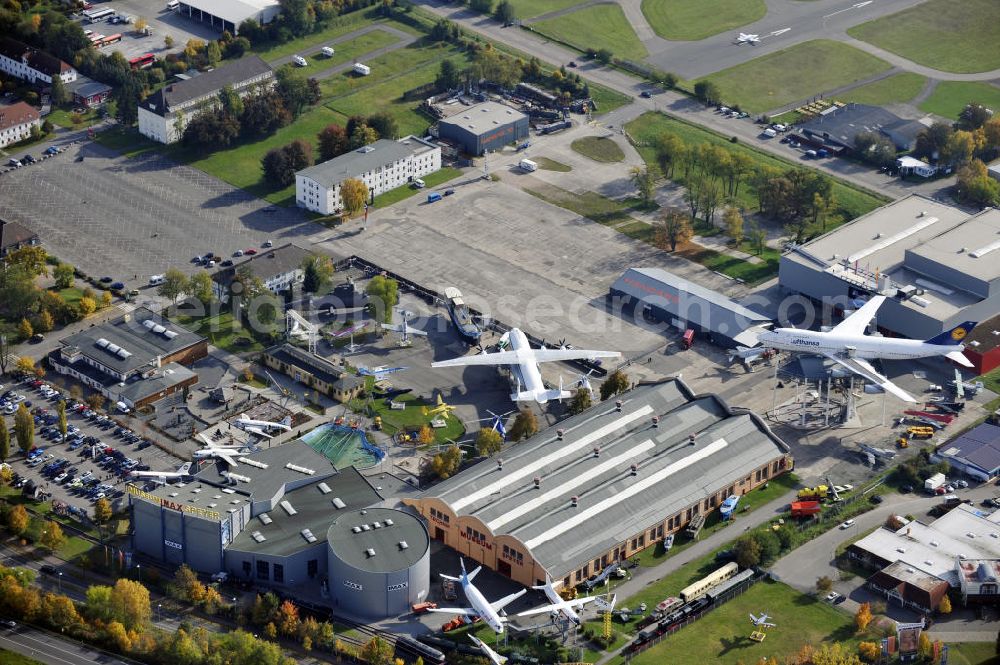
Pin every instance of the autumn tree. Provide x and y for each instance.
(333, 141)
(18, 520)
(734, 224)
(175, 283)
(24, 428)
(4, 440)
(446, 463)
(824, 584)
(354, 194)
(52, 537)
(130, 604)
(644, 182)
(944, 607)
(426, 435)
(581, 401)
(61, 415)
(102, 513)
(748, 552)
(25, 329)
(924, 646)
(488, 442)
(377, 652)
(525, 425)
(675, 229)
(616, 383)
(95, 401)
(63, 275)
(863, 617)
(199, 287)
(59, 611)
(869, 651)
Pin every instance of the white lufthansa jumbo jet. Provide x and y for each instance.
(162, 477)
(848, 345)
(482, 608)
(523, 361)
(565, 607)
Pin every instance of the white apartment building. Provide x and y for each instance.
(382, 166)
(16, 122)
(164, 114)
(28, 63)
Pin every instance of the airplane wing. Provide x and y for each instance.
(227, 457)
(494, 657)
(498, 605)
(499, 358)
(856, 323)
(555, 607)
(552, 355)
(465, 611)
(395, 327)
(863, 368)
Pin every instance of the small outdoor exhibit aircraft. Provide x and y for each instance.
(162, 477)
(745, 38)
(523, 361)
(480, 607)
(761, 621)
(557, 605)
(379, 372)
(262, 427)
(442, 408)
(404, 328)
(490, 654)
(225, 453)
(849, 346)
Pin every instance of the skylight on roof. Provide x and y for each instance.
(288, 508)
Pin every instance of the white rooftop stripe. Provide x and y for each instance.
(579, 479)
(893, 239)
(640, 486)
(583, 442)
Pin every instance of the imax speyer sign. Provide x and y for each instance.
(397, 587)
(170, 543)
(353, 585)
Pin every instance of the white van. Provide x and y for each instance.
(299, 60)
(418, 183)
(173, 5)
(328, 51)
(156, 280)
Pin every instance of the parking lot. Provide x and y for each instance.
(94, 459)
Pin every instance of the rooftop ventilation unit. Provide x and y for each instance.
(388, 522)
(365, 527)
(102, 343)
(149, 323)
(239, 477)
(356, 529)
(376, 525)
(300, 469)
(288, 508)
(258, 536)
(170, 334)
(324, 488)
(338, 503)
(252, 462)
(308, 535)
(229, 490)
(403, 545)
(265, 518)
(370, 552)
(123, 354)
(158, 329)
(112, 348)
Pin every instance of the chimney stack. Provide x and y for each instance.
(575, 500)
(538, 482)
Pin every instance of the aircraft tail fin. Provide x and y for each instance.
(959, 357)
(471, 576)
(953, 336)
(287, 421)
(558, 393)
(451, 578)
(185, 468)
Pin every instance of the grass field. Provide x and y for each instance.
(893, 89)
(950, 97)
(794, 74)
(11, 658)
(599, 149)
(531, 8)
(72, 295)
(61, 117)
(723, 636)
(697, 19)
(596, 27)
(852, 202)
(946, 35)
(345, 51)
(606, 99)
(402, 193)
(221, 330)
(972, 653)
(552, 165)
(411, 418)
(340, 26)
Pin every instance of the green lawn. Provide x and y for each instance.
(551, 165)
(972, 653)
(61, 117)
(852, 202)
(524, 9)
(697, 19)
(74, 547)
(950, 97)
(586, 204)
(723, 636)
(126, 140)
(402, 193)
(411, 418)
(12, 658)
(345, 51)
(596, 27)
(221, 330)
(606, 99)
(71, 295)
(599, 149)
(340, 26)
(946, 35)
(793, 74)
(894, 89)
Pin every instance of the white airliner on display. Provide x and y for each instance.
(404, 328)
(523, 361)
(744, 38)
(565, 607)
(492, 655)
(482, 608)
(848, 345)
(162, 477)
(379, 372)
(262, 427)
(217, 451)
(761, 621)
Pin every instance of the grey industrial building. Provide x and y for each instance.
(975, 453)
(838, 126)
(381, 558)
(604, 485)
(227, 15)
(268, 521)
(484, 127)
(936, 264)
(655, 295)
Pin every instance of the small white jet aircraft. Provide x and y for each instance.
(379, 372)
(490, 654)
(745, 38)
(523, 361)
(761, 621)
(225, 453)
(162, 477)
(404, 328)
(262, 427)
(848, 345)
(482, 608)
(565, 607)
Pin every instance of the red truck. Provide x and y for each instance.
(688, 339)
(805, 508)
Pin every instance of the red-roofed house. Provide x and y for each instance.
(16, 122)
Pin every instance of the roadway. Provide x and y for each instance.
(54, 650)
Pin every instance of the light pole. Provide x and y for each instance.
(138, 572)
(60, 581)
(158, 606)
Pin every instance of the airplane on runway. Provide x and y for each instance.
(761, 621)
(848, 345)
(404, 328)
(379, 372)
(262, 427)
(523, 361)
(490, 654)
(745, 38)
(567, 608)
(161, 477)
(482, 608)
